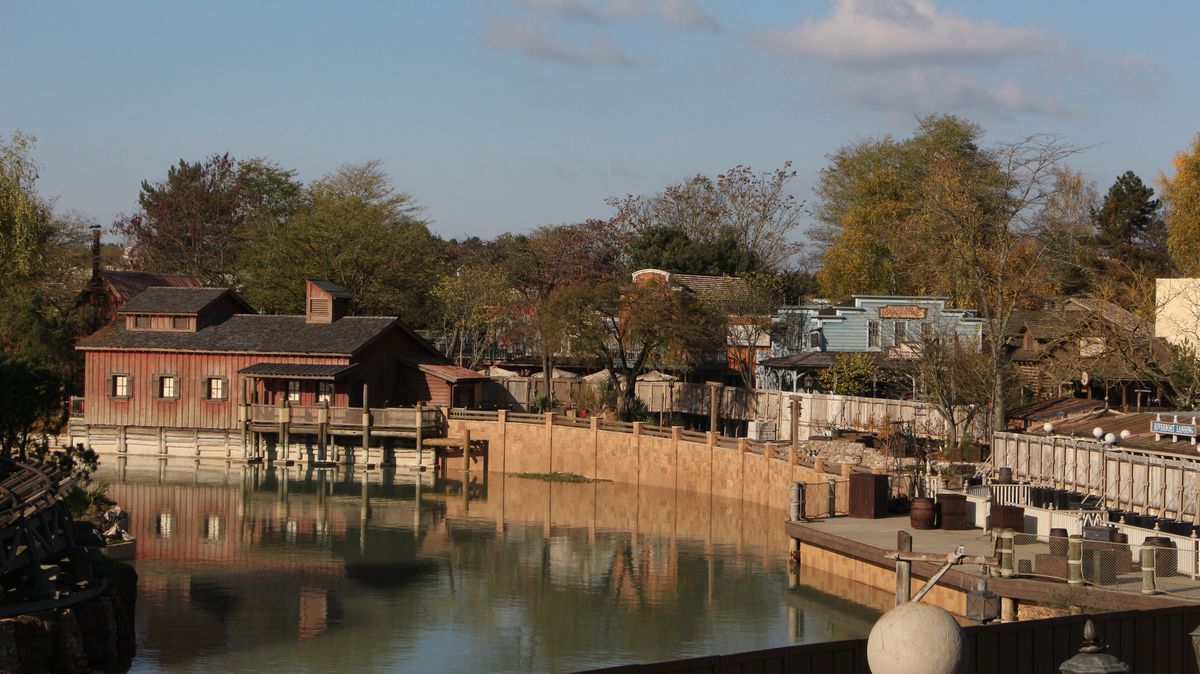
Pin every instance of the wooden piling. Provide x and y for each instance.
(903, 568)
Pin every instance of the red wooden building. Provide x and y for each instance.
(196, 358)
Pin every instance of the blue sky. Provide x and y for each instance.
(504, 115)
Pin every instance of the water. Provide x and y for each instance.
(251, 569)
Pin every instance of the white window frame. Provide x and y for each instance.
(221, 387)
(873, 335)
(114, 388)
(168, 387)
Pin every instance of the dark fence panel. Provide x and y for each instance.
(1157, 640)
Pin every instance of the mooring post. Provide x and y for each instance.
(466, 452)
(284, 418)
(1004, 550)
(1075, 560)
(366, 428)
(1148, 554)
(796, 502)
(903, 568)
(714, 398)
(420, 416)
(832, 497)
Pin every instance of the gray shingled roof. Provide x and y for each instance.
(331, 288)
(169, 300)
(297, 370)
(253, 333)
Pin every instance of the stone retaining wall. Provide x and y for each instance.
(637, 458)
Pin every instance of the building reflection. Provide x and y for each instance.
(265, 568)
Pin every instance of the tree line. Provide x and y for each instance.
(994, 227)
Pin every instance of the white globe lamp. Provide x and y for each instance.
(1098, 432)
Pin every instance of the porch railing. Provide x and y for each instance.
(313, 415)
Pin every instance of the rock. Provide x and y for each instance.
(10, 656)
(915, 638)
(71, 656)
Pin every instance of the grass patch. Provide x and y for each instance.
(558, 477)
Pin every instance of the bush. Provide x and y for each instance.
(543, 403)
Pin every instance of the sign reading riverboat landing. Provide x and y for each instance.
(1170, 428)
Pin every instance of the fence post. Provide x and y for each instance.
(1148, 553)
(1075, 560)
(903, 568)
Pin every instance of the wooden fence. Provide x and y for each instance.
(1147, 481)
(1156, 640)
(819, 412)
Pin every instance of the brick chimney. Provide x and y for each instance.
(95, 250)
(324, 302)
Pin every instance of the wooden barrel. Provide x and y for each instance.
(1007, 517)
(952, 511)
(1166, 557)
(1058, 542)
(923, 514)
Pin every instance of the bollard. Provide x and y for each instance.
(1004, 550)
(832, 497)
(796, 502)
(1148, 570)
(1075, 560)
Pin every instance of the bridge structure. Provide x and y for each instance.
(41, 561)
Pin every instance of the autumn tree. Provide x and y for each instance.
(851, 374)
(550, 260)
(1181, 196)
(625, 328)
(954, 377)
(473, 301)
(746, 308)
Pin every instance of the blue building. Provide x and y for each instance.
(809, 337)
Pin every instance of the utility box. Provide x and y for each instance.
(760, 430)
(869, 495)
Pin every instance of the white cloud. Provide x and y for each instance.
(890, 31)
(1138, 74)
(922, 89)
(528, 38)
(685, 14)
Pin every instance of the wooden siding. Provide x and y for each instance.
(190, 409)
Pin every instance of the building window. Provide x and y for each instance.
(901, 334)
(293, 391)
(814, 340)
(325, 392)
(141, 322)
(872, 334)
(119, 386)
(168, 387)
(214, 388)
(180, 322)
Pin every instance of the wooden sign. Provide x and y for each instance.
(902, 311)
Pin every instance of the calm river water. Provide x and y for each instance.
(251, 569)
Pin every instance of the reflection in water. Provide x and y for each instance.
(248, 568)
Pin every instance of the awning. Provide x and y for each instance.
(296, 371)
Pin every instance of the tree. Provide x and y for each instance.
(1181, 195)
(43, 255)
(954, 377)
(1130, 229)
(473, 301)
(940, 213)
(874, 235)
(625, 328)
(851, 374)
(548, 261)
(750, 217)
(356, 230)
(746, 307)
(31, 397)
(671, 248)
